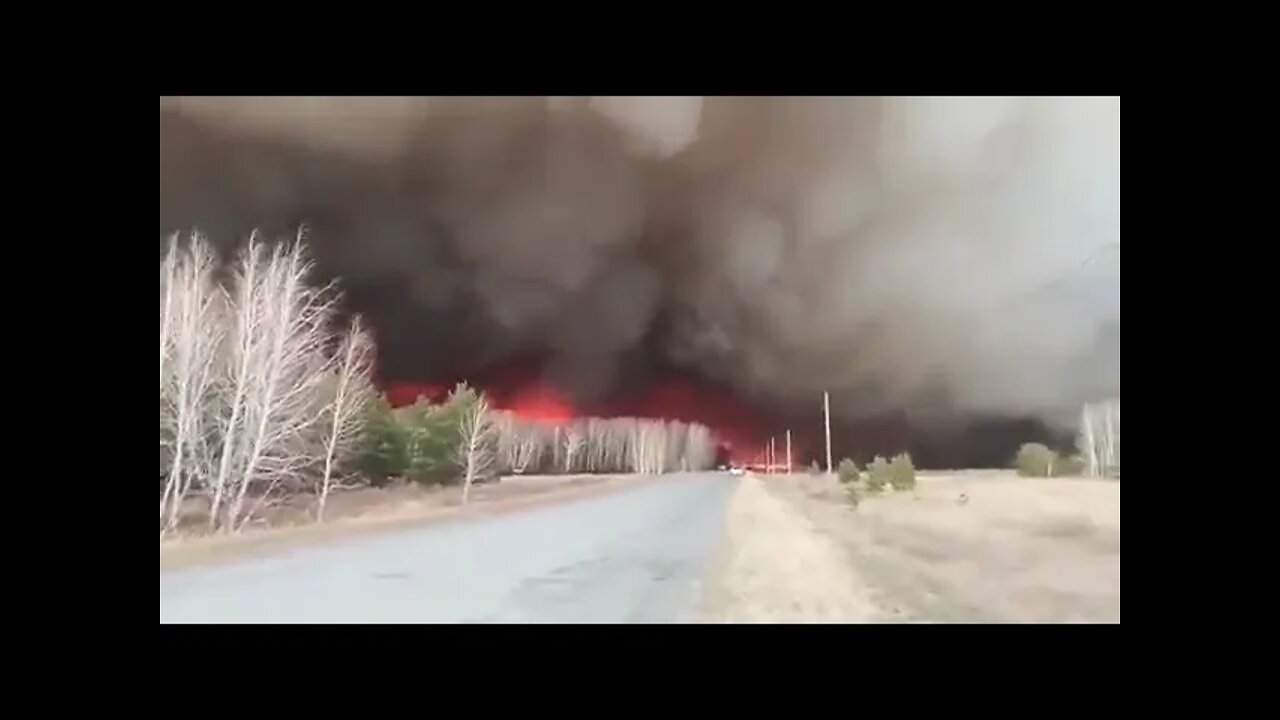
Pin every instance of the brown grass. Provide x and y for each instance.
(378, 510)
(1017, 550)
(774, 567)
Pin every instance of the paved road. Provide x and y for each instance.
(637, 555)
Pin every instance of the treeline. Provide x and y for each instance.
(266, 394)
(419, 443)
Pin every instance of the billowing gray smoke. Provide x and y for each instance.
(929, 255)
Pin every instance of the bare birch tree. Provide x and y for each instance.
(255, 401)
(344, 412)
(521, 443)
(275, 362)
(1087, 444)
(574, 439)
(1099, 438)
(537, 441)
(526, 447)
(648, 449)
(293, 366)
(700, 448)
(168, 331)
(597, 445)
(618, 438)
(190, 338)
(657, 449)
(673, 451)
(239, 358)
(556, 461)
(504, 423)
(478, 447)
(168, 286)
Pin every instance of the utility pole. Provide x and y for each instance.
(826, 418)
(788, 451)
(773, 456)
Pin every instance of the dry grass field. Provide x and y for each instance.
(963, 547)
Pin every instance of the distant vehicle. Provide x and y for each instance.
(737, 471)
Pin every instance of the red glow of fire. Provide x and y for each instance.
(400, 394)
(515, 386)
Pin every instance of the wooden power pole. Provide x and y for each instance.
(826, 419)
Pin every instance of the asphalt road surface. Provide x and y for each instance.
(634, 556)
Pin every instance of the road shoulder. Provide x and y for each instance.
(775, 567)
(393, 514)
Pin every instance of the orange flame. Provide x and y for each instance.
(515, 386)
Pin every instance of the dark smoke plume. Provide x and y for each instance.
(936, 257)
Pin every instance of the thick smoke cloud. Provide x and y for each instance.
(934, 256)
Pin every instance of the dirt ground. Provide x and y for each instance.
(964, 547)
(380, 509)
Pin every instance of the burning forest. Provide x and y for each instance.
(946, 268)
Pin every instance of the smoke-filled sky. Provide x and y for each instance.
(929, 255)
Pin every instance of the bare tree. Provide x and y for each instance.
(521, 443)
(276, 360)
(574, 440)
(238, 367)
(294, 367)
(168, 331)
(1099, 438)
(700, 448)
(540, 439)
(635, 447)
(597, 444)
(257, 400)
(526, 447)
(190, 337)
(673, 453)
(658, 444)
(504, 422)
(648, 449)
(344, 412)
(556, 461)
(620, 432)
(168, 286)
(478, 447)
